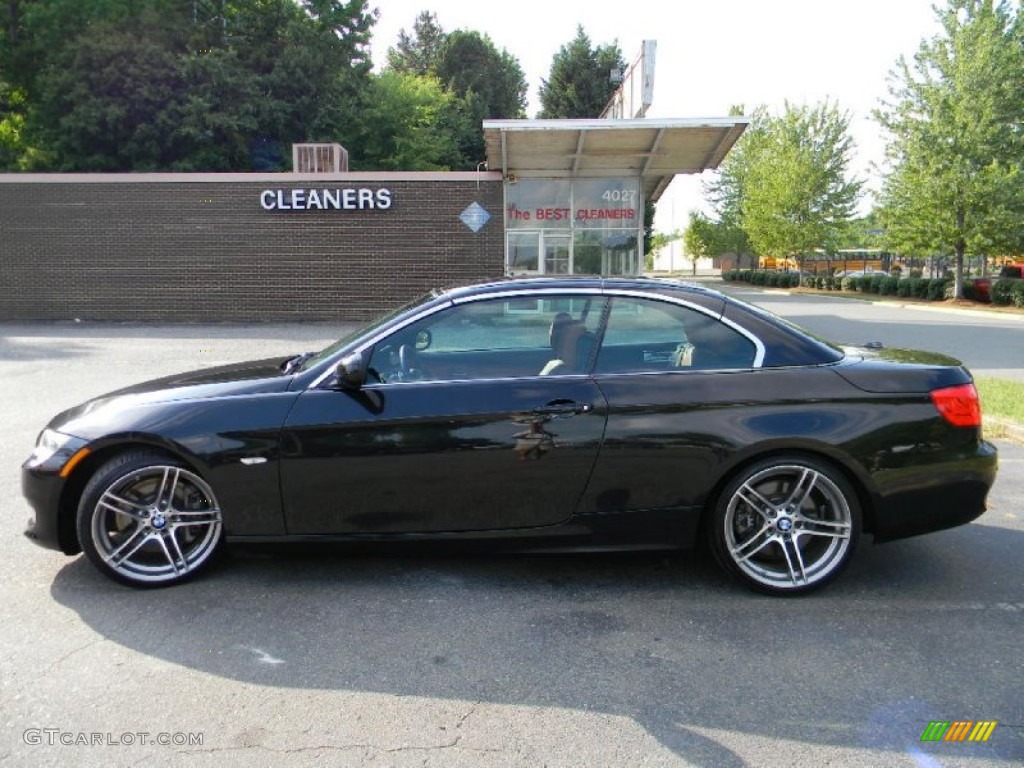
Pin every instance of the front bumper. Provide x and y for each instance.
(42, 490)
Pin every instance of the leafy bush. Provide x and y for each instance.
(1018, 294)
(916, 272)
(866, 284)
(1003, 291)
(936, 289)
(831, 284)
(905, 288)
(758, 277)
(789, 280)
(849, 284)
(888, 286)
(810, 281)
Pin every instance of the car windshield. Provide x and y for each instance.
(380, 322)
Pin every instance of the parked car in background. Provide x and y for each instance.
(559, 413)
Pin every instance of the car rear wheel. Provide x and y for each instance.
(786, 525)
(146, 520)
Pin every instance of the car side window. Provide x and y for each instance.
(493, 339)
(648, 335)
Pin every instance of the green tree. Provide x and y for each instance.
(955, 149)
(113, 105)
(483, 82)
(489, 84)
(579, 85)
(12, 126)
(406, 125)
(166, 85)
(470, 61)
(786, 184)
(418, 53)
(706, 237)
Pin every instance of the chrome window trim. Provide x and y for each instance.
(533, 378)
(539, 293)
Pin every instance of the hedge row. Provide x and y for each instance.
(763, 277)
(884, 285)
(1008, 293)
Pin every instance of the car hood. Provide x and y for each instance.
(233, 380)
(900, 370)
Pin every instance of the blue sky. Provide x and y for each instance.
(710, 55)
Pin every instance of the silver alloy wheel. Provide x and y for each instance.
(788, 527)
(156, 524)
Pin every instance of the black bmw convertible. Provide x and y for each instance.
(530, 414)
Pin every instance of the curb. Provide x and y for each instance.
(989, 314)
(1013, 430)
(968, 312)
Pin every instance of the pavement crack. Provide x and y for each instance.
(472, 709)
(72, 652)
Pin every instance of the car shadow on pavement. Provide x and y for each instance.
(916, 630)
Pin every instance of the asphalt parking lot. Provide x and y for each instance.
(312, 657)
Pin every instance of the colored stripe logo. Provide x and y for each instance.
(958, 730)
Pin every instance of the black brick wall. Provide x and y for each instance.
(207, 251)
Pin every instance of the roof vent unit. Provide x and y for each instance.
(319, 158)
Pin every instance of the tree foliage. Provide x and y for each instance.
(166, 85)
(786, 184)
(705, 237)
(418, 53)
(470, 61)
(955, 182)
(579, 85)
(406, 123)
(481, 82)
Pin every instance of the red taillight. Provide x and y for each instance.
(959, 405)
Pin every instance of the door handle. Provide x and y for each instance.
(563, 408)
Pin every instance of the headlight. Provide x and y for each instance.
(53, 450)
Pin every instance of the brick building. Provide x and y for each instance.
(562, 197)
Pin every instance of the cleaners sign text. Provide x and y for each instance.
(349, 199)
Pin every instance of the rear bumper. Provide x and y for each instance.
(937, 498)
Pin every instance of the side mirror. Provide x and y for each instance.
(351, 372)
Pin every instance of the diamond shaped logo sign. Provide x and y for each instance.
(474, 216)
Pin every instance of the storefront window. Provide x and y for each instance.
(538, 204)
(606, 204)
(523, 252)
(573, 226)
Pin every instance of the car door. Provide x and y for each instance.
(455, 428)
(674, 378)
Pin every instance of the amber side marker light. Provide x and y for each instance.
(959, 405)
(74, 461)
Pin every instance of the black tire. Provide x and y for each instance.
(786, 525)
(147, 520)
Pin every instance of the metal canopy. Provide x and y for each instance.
(653, 150)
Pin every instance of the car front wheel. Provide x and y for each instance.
(146, 520)
(786, 525)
